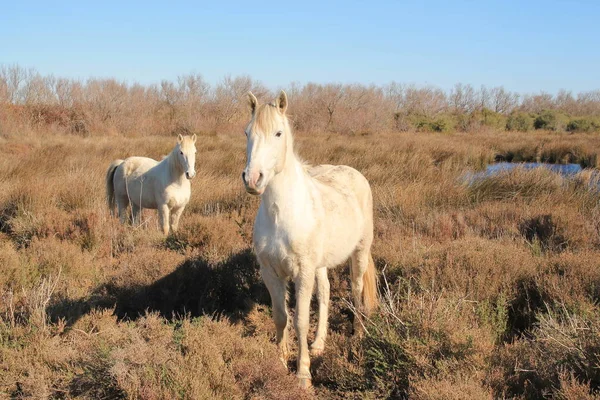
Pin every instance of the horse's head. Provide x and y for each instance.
(186, 154)
(268, 135)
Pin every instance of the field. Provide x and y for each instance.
(488, 291)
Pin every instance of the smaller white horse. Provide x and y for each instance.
(147, 183)
(310, 219)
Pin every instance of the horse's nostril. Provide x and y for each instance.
(260, 178)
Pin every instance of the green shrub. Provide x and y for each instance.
(388, 364)
(478, 119)
(489, 118)
(519, 121)
(439, 123)
(420, 122)
(443, 123)
(550, 120)
(583, 125)
(463, 122)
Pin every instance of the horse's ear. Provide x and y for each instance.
(282, 102)
(179, 138)
(252, 102)
(194, 138)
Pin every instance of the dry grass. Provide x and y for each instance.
(490, 290)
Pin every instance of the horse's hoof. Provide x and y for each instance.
(317, 347)
(305, 383)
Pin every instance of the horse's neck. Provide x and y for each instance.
(288, 195)
(176, 173)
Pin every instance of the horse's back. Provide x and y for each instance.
(130, 180)
(328, 173)
(342, 179)
(136, 166)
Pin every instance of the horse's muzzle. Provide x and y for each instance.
(256, 192)
(251, 188)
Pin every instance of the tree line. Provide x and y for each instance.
(29, 100)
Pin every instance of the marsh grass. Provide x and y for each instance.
(488, 291)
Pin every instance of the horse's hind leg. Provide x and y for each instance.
(136, 214)
(278, 290)
(318, 345)
(360, 263)
(122, 203)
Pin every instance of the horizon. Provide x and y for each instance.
(526, 48)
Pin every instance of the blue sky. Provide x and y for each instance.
(527, 46)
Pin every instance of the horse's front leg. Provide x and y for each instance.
(175, 214)
(323, 287)
(304, 282)
(163, 218)
(278, 290)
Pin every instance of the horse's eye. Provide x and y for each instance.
(278, 133)
(181, 152)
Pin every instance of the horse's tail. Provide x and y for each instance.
(369, 294)
(110, 187)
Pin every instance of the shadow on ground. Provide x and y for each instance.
(196, 287)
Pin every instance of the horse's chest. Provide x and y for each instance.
(278, 247)
(177, 196)
(279, 257)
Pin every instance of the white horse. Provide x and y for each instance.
(310, 219)
(147, 183)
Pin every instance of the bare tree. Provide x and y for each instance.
(63, 90)
(463, 98)
(537, 103)
(484, 97)
(502, 101)
(589, 103)
(14, 77)
(106, 99)
(194, 88)
(329, 97)
(39, 90)
(395, 92)
(427, 100)
(229, 96)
